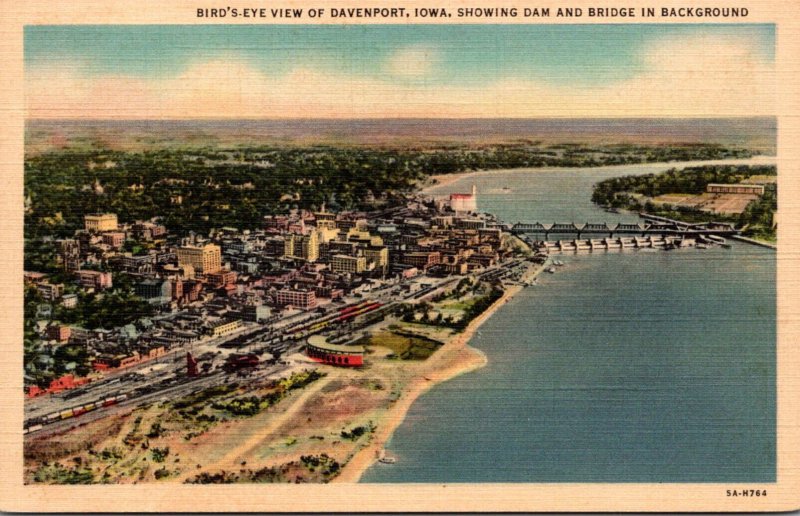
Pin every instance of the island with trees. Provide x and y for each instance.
(684, 195)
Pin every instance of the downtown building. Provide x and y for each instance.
(302, 247)
(303, 299)
(205, 260)
(94, 279)
(99, 222)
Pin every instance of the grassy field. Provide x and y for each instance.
(405, 347)
(462, 304)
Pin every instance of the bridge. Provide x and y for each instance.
(650, 226)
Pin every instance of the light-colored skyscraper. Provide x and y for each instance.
(206, 259)
(100, 222)
(303, 247)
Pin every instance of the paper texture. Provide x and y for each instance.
(399, 257)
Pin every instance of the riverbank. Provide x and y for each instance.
(442, 180)
(454, 358)
(754, 241)
(538, 396)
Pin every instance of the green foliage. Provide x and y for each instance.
(58, 474)
(219, 190)
(245, 406)
(155, 430)
(758, 217)
(248, 406)
(478, 307)
(159, 454)
(328, 465)
(301, 379)
(354, 433)
(113, 452)
(756, 220)
(201, 397)
(408, 312)
(691, 180)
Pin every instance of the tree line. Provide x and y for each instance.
(635, 193)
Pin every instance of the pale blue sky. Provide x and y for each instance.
(587, 54)
(351, 71)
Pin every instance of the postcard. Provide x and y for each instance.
(393, 257)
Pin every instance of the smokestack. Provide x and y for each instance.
(191, 366)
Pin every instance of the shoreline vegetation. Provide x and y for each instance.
(143, 444)
(456, 358)
(338, 440)
(683, 195)
(238, 187)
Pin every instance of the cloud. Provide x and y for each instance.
(681, 77)
(414, 62)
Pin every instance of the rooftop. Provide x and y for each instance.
(319, 342)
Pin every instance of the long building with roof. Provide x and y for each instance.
(320, 350)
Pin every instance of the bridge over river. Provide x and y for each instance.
(650, 226)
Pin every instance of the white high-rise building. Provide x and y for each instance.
(463, 202)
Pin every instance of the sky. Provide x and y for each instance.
(372, 71)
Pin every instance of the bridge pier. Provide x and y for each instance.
(652, 227)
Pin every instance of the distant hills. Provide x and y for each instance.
(757, 134)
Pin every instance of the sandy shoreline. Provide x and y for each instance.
(446, 179)
(442, 180)
(453, 359)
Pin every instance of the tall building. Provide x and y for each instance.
(352, 264)
(422, 259)
(100, 222)
(324, 219)
(220, 278)
(377, 257)
(154, 291)
(288, 245)
(114, 239)
(206, 259)
(69, 251)
(49, 291)
(464, 202)
(303, 247)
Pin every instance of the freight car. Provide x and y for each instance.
(34, 424)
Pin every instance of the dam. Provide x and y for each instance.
(649, 227)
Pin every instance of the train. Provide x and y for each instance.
(342, 315)
(37, 423)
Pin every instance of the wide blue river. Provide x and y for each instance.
(627, 366)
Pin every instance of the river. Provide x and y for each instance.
(622, 367)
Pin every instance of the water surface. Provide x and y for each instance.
(628, 366)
